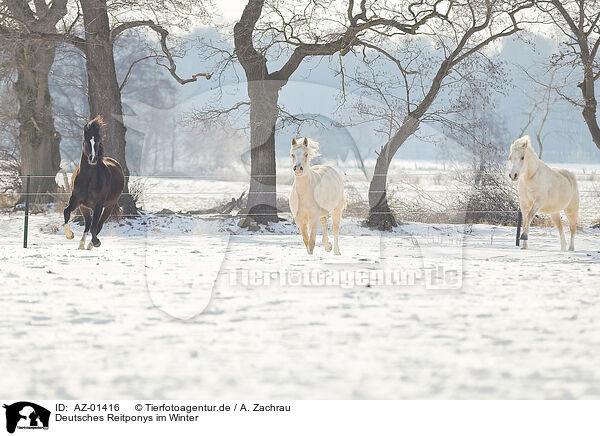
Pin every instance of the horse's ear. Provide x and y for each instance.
(293, 141)
(306, 141)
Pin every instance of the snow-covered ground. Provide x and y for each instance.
(183, 307)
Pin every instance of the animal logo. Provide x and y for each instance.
(24, 414)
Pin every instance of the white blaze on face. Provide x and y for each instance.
(513, 167)
(93, 142)
(516, 159)
(298, 154)
(298, 160)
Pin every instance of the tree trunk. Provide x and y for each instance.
(380, 214)
(589, 110)
(262, 197)
(587, 56)
(263, 92)
(38, 139)
(104, 96)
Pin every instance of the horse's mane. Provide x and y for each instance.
(523, 141)
(312, 147)
(92, 129)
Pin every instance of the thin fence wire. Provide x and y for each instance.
(397, 172)
(401, 178)
(205, 193)
(212, 194)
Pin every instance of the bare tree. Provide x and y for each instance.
(10, 162)
(32, 60)
(287, 33)
(460, 33)
(139, 81)
(104, 90)
(480, 130)
(541, 106)
(579, 21)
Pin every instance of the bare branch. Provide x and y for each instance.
(130, 69)
(163, 34)
(216, 114)
(389, 56)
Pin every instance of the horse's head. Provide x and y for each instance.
(92, 142)
(302, 152)
(518, 156)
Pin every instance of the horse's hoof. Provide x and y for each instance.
(337, 252)
(70, 235)
(82, 246)
(328, 247)
(90, 246)
(571, 248)
(96, 243)
(524, 237)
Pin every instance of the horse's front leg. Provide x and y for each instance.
(73, 204)
(303, 226)
(528, 217)
(524, 211)
(313, 228)
(95, 220)
(87, 216)
(326, 242)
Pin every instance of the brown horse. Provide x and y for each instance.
(96, 185)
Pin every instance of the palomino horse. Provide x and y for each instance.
(96, 185)
(317, 192)
(543, 189)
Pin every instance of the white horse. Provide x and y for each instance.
(543, 189)
(317, 192)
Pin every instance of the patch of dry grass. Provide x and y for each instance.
(8, 200)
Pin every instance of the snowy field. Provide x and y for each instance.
(125, 321)
(188, 307)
